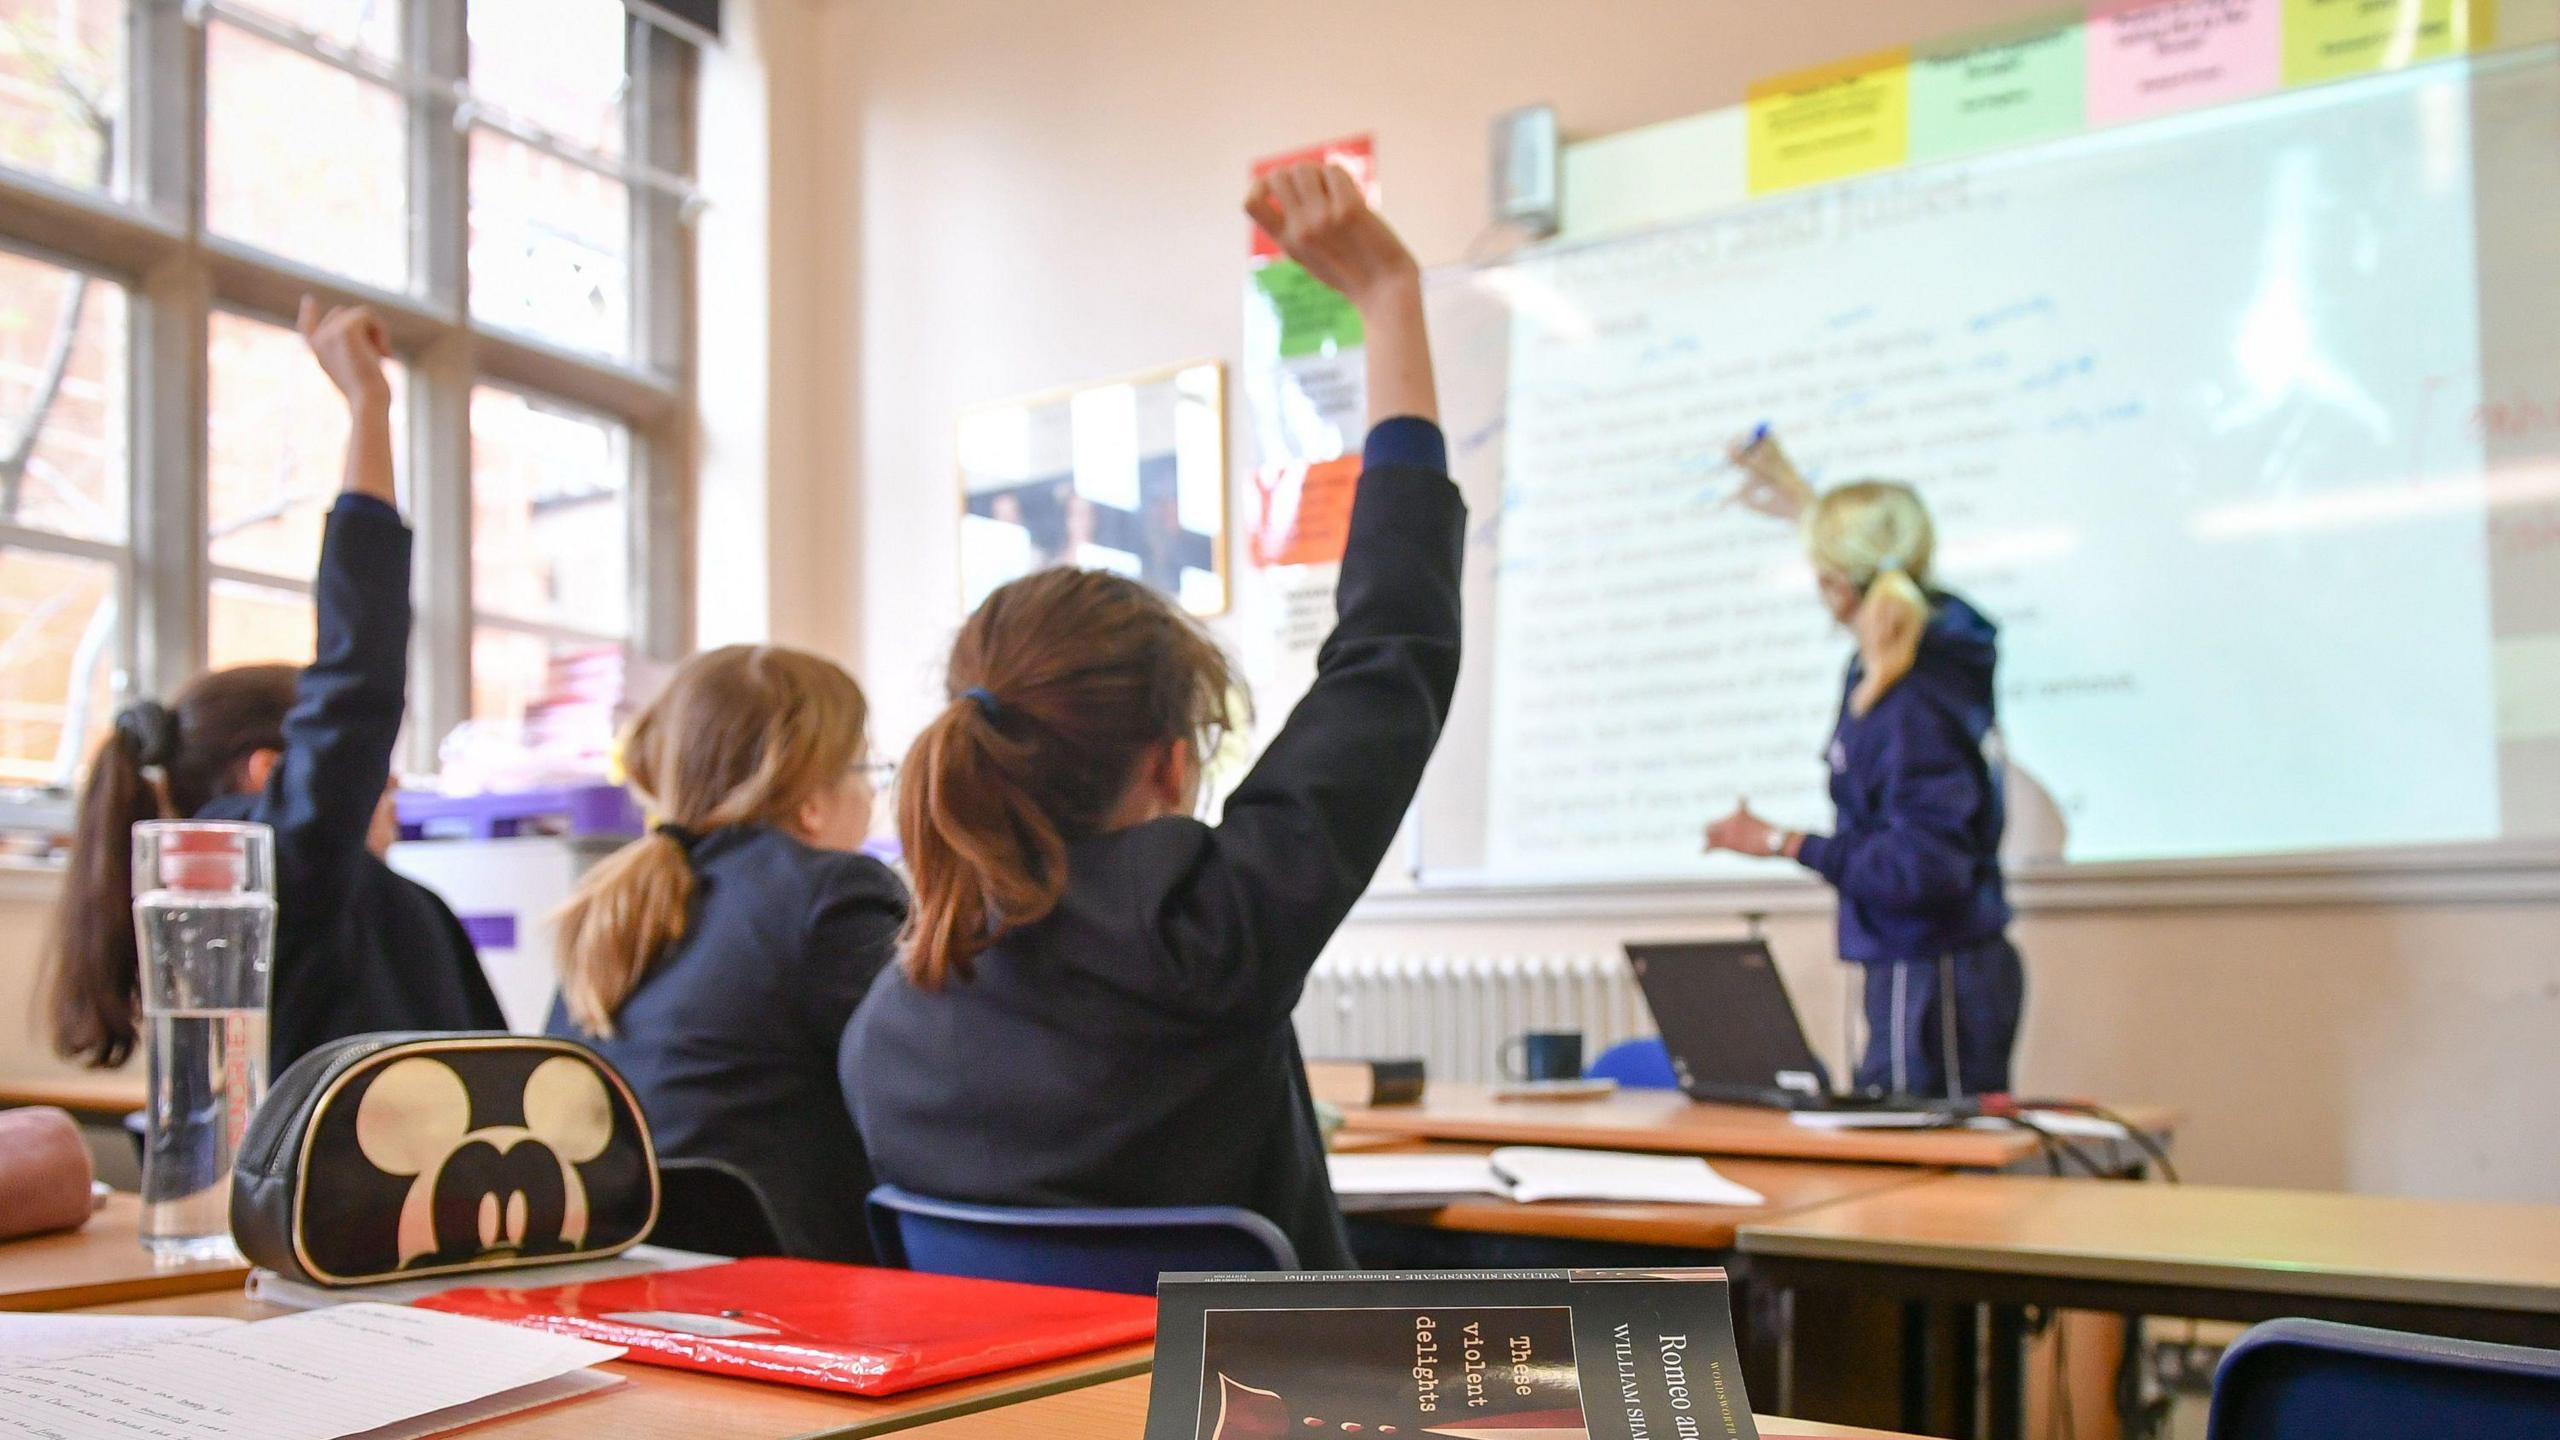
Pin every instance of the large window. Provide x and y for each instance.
(507, 181)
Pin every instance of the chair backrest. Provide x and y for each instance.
(1118, 1249)
(714, 1208)
(1641, 1064)
(2313, 1380)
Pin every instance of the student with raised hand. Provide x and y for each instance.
(1093, 1007)
(716, 961)
(308, 752)
(1916, 782)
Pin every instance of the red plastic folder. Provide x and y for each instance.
(829, 1327)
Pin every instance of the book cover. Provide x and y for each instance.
(1449, 1355)
(1358, 1083)
(829, 1327)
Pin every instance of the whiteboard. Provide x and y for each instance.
(2243, 423)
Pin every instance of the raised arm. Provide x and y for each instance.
(1305, 831)
(338, 739)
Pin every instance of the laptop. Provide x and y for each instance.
(1732, 1031)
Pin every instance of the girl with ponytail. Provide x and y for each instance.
(716, 960)
(1916, 784)
(1093, 1007)
(307, 752)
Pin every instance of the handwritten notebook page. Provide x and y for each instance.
(315, 1376)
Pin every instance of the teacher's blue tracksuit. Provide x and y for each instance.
(1916, 858)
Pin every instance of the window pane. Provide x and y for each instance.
(550, 246)
(275, 448)
(58, 660)
(305, 160)
(258, 625)
(62, 455)
(61, 87)
(372, 26)
(560, 64)
(550, 701)
(550, 541)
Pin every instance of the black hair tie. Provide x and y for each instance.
(685, 838)
(150, 730)
(985, 700)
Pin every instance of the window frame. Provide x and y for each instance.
(151, 240)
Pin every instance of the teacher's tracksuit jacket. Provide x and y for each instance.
(1915, 857)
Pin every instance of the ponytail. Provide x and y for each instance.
(742, 735)
(1889, 622)
(1061, 684)
(627, 911)
(94, 973)
(1876, 536)
(160, 763)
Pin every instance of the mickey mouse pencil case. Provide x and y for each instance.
(394, 1156)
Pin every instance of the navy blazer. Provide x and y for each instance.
(359, 947)
(1134, 1047)
(1915, 852)
(730, 1039)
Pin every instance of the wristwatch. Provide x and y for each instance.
(1777, 842)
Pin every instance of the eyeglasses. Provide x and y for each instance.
(878, 774)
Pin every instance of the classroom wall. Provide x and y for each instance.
(1012, 197)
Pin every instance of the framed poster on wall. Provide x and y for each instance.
(1128, 474)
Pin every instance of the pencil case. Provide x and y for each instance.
(396, 1156)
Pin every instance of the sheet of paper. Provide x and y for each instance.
(1367, 1175)
(1867, 1119)
(575, 1385)
(319, 1375)
(1538, 1173)
(27, 1339)
(2068, 1124)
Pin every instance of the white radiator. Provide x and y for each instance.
(1455, 1011)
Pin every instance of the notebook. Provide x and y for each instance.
(1529, 1173)
(846, 1328)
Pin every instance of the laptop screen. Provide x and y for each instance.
(1726, 1019)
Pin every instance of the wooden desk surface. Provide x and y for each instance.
(2362, 1247)
(655, 1403)
(1118, 1411)
(1788, 1186)
(1670, 1122)
(101, 1263)
(100, 1093)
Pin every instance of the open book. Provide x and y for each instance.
(1529, 1173)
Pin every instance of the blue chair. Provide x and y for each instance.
(1122, 1250)
(2314, 1380)
(1636, 1065)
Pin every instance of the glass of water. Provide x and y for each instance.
(204, 914)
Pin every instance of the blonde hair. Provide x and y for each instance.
(742, 735)
(1875, 534)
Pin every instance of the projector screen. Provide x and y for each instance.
(2243, 424)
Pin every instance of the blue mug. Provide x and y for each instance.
(1542, 1055)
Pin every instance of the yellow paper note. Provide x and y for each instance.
(1841, 119)
(2333, 39)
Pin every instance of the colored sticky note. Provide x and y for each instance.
(1302, 513)
(2168, 55)
(1314, 318)
(2003, 88)
(2333, 39)
(1833, 121)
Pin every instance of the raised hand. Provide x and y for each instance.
(1321, 220)
(349, 343)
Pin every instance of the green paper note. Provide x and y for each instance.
(1314, 319)
(2004, 88)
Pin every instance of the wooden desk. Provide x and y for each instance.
(2487, 1272)
(99, 1095)
(1118, 1411)
(655, 1403)
(102, 1263)
(1670, 1122)
(1789, 1186)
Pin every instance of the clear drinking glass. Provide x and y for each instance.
(204, 914)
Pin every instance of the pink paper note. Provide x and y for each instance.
(2154, 57)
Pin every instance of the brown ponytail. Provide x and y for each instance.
(742, 735)
(1059, 686)
(161, 762)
